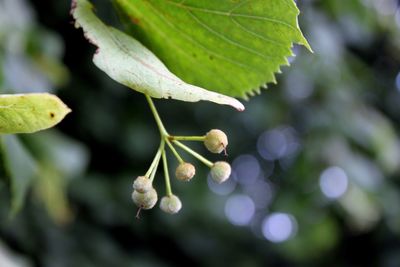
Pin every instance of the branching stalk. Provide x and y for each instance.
(160, 125)
(194, 153)
(176, 154)
(166, 174)
(156, 160)
(188, 138)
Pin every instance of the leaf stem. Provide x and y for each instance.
(176, 154)
(188, 138)
(160, 125)
(166, 175)
(194, 153)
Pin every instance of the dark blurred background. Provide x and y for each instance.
(315, 159)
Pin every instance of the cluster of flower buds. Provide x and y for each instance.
(145, 196)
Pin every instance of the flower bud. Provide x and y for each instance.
(220, 171)
(142, 184)
(145, 200)
(170, 204)
(185, 171)
(216, 141)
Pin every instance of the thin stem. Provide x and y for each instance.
(194, 153)
(166, 175)
(156, 160)
(138, 213)
(188, 138)
(160, 125)
(178, 157)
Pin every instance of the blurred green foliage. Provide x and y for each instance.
(32, 64)
(316, 157)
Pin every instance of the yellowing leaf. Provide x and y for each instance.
(28, 113)
(128, 62)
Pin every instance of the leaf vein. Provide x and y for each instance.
(228, 13)
(272, 41)
(225, 38)
(188, 37)
(179, 49)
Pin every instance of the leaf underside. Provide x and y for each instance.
(231, 47)
(130, 63)
(28, 113)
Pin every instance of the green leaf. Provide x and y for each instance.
(21, 169)
(128, 62)
(27, 113)
(231, 47)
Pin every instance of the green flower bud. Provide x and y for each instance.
(220, 171)
(170, 204)
(142, 184)
(216, 141)
(145, 200)
(185, 171)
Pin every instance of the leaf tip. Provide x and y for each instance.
(240, 107)
(307, 45)
(236, 104)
